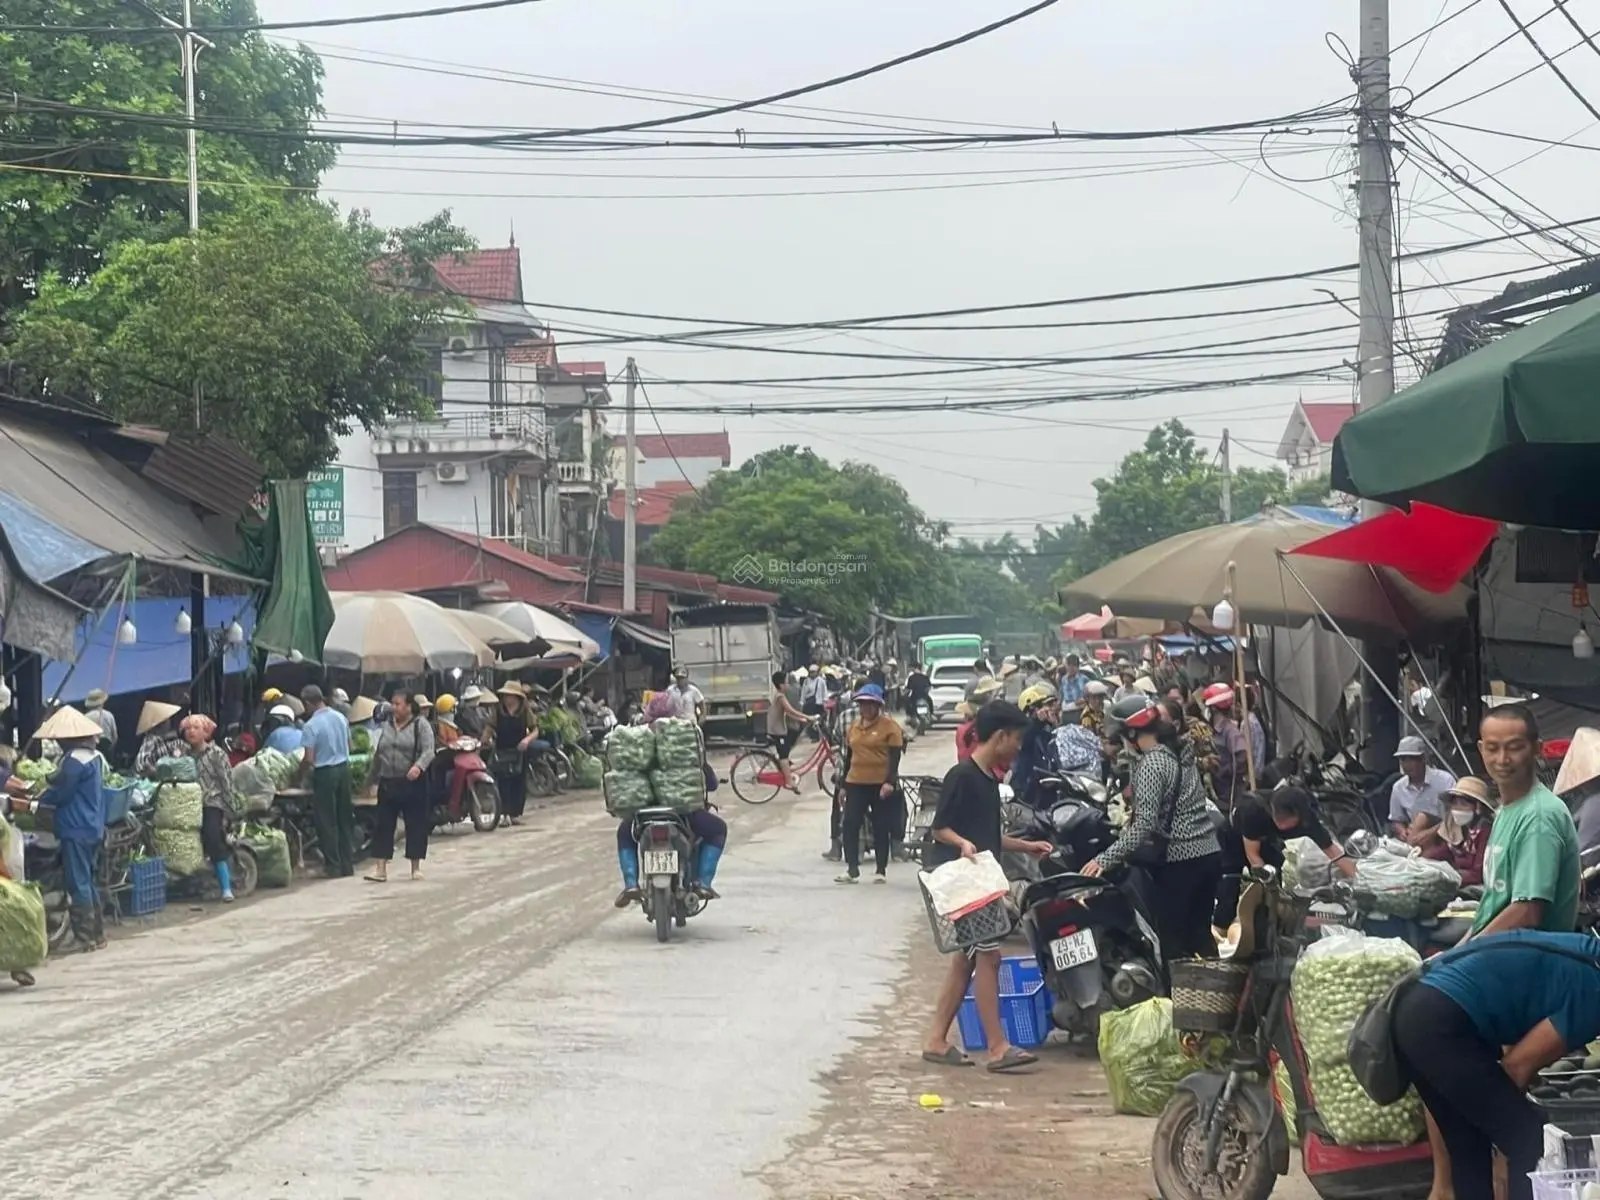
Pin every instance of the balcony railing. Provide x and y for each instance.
(574, 472)
(502, 428)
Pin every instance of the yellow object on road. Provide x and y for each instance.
(929, 1100)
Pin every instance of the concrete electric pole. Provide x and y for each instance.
(1227, 481)
(630, 497)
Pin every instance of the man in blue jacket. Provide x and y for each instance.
(76, 795)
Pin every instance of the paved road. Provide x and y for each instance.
(494, 1031)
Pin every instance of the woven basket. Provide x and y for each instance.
(989, 924)
(1206, 994)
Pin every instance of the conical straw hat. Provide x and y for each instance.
(1582, 762)
(67, 722)
(154, 712)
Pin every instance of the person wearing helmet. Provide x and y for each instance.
(446, 727)
(1170, 833)
(279, 730)
(470, 715)
(1232, 772)
(1037, 756)
(871, 775)
(1095, 697)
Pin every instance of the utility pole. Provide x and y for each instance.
(630, 498)
(1227, 482)
(1375, 303)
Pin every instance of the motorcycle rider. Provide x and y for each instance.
(919, 687)
(1037, 755)
(710, 830)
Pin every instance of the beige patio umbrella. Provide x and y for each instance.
(392, 633)
(539, 624)
(1181, 579)
(491, 631)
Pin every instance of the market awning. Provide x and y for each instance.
(1433, 547)
(160, 658)
(645, 635)
(32, 616)
(1510, 432)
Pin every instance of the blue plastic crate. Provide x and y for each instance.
(147, 887)
(1024, 1007)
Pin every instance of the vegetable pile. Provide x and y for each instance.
(179, 806)
(1334, 982)
(587, 770)
(1397, 885)
(1142, 1058)
(677, 744)
(654, 766)
(253, 790)
(280, 767)
(23, 941)
(631, 748)
(181, 850)
(274, 868)
(360, 740)
(628, 792)
(33, 770)
(679, 787)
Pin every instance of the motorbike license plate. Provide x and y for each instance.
(1074, 950)
(660, 862)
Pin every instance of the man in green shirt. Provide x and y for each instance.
(1530, 869)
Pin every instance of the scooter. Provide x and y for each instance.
(668, 851)
(461, 788)
(1093, 936)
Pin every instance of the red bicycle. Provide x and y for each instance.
(756, 776)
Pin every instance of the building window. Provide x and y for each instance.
(399, 500)
(430, 380)
(502, 504)
(497, 390)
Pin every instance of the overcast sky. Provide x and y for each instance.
(801, 236)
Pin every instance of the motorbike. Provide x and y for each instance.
(461, 788)
(1093, 936)
(667, 853)
(920, 712)
(544, 770)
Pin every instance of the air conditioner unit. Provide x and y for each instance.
(461, 347)
(450, 472)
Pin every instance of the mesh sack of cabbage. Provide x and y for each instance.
(1143, 1060)
(274, 868)
(23, 940)
(677, 744)
(628, 792)
(179, 806)
(177, 769)
(253, 789)
(280, 767)
(1404, 885)
(181, 850)
(1334, 982)
(679, 787)
(631, 748)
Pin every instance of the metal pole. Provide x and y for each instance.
(190, 54)
(1227, 482)
(1375, 302)
(630, 530)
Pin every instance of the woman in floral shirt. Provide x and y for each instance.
(215, 777)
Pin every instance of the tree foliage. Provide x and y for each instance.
(70, 207)
(297, 325)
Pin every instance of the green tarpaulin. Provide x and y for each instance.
(1510, 432)
(296, 612)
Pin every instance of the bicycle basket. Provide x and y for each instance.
(1206, 994)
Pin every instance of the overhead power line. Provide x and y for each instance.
(116, 31)
(1548, 61)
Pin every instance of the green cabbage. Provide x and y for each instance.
(680, 788)
(628, 792)
(179, 806)
(180, 849)
(1143, 1060)
(23, 940)
(631, 748)
(677, 743)
(274, 868)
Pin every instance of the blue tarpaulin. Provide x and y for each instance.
(596, 626)
(44, 550)
(159, 658)
(1322, 516)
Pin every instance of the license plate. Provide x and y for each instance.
(1074, 950)
(660, 862)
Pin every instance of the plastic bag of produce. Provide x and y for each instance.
(588, 772)
(280, 767)
(360, 740)
(181, 850)
(677, 743)
(683, 788)
(1142, 1058)
(180, 769)
(274, 868)
(628, 792)
(178, 806)
(1334, 982)
(253, 790)
(631, 748)
(1404, 885)
(23, 940)
(1312, 870)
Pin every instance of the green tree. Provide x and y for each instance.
(297, 325)
(65, 203)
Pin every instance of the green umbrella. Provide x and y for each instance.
(1510, 432)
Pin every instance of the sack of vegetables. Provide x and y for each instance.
(1334, 982)
(631, 748)
(274, 868)
(1406, 885)
(627, 792)
(1142, 1057)
(23, 940)
(677, 744)
(179, 806)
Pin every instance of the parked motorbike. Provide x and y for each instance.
(460, 787)
(1093, 937)
(543, 769)
(667, 854)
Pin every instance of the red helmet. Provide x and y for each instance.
(1218, 695)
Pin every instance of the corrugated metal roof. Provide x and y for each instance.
(210, 471)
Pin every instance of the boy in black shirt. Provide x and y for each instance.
(966, 823)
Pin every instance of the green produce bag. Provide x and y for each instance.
(677, 744)
(1334, 982)
(274, 868)
(280, 767)
(253, 789)
(360, 740)
(1142, 1058)
(23, 940)
(178, 806)
(588, 772)
(360, 770)
(182, 851)
(1407, 886)
(682, 788)
(631, 748)
(177, 769)
(627, 792)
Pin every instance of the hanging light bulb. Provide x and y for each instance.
(183, 624)
(1582, 643)
(1222, 614)
(127, 632)
(5, 697)
(235, 633)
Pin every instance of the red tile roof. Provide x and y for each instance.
(585, 368)
(422, 558)
(655, 503)
(506, 552)
(1327, 419)
(486, 275)
(533, 354)
(687, 445)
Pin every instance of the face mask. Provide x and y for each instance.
(1465, 816)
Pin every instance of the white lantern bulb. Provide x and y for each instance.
(127, 632)
(235, 633)
(183, 624)
(1582, 644)
(1222, 615)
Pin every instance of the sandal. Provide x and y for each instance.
(23, 979)
(950, 1058)
(376, 878)
(1012, 1060)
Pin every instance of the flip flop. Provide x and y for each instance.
(950, 1058)
(376, 878)
(1012, 1060)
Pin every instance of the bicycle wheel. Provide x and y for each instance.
(828, 771)
(755, 776)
